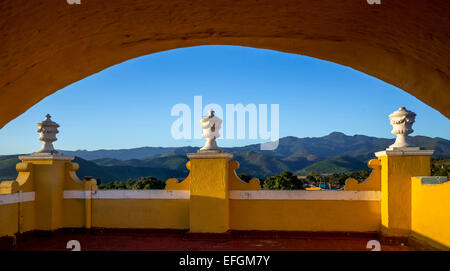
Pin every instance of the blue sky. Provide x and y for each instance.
(128, 105)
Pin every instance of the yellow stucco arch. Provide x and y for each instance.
(49, 44)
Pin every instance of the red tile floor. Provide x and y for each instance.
(176, 241)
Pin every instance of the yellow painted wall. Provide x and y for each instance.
(209, 204)
(173, 184)
(235, 183)
(140, 213)
(75, 218)
(372, 183)
(28, 220)
(16, 218)
(396, 173)
(430, 217)
(305, 215)
(9, 219)
(384, 194)
(48, 179)
(298, 215)
(407, 205)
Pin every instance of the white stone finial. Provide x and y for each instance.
(211, 126)
(402, 121)
(47, 134)
(48, 130)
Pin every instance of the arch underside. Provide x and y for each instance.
(48, 44)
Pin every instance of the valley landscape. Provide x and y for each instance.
(334, 153)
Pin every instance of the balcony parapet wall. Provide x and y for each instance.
(52, 184)
(430, 215)
(372, 183)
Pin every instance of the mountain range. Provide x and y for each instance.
(333, 153)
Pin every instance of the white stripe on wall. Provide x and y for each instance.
(76, 194)
(305, 195)
(128, 194)
(184, 194)
(15, 198)
(234, 194)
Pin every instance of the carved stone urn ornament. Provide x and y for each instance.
(211, 126)
(402, 121)
(47, 134)
(48, 130)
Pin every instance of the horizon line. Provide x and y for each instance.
(237, 146)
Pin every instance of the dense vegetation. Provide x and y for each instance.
(285, 181)
(440, 167)
(141, 183)
(288, 181)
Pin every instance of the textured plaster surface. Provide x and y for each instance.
(48, 44)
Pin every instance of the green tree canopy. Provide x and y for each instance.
(285, 181)
(142, 183)
(245, 177)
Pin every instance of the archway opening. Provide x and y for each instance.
(129, 106)
(404, 44)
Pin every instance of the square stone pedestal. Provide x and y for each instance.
(49, 173)
(209, 204)
(398, 165)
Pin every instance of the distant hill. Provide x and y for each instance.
(123, 172)
(338, 164)
(253, 163)
(290, 148)
(104, 173)
(127, 154)
(334, 153)
(174, 162)
(259, 164)
(8, 167)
